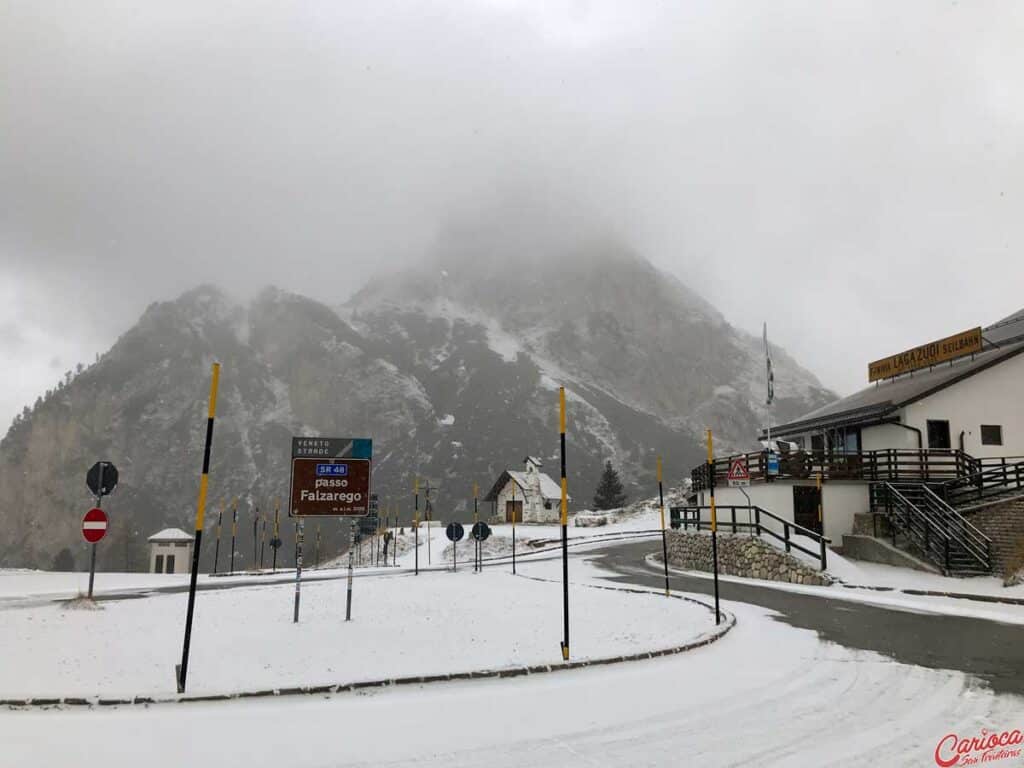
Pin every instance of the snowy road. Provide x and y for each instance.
(803, 680)
(765, 695)
(991, 650)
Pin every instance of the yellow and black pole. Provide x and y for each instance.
(565, 527)
(714, 523)
(182, 669)
(416, 524)
(275, 542)
(234, 531)
(664, 536)
(513, 527)
(821, 527)
(216, 549)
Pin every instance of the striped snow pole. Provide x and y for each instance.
(204, 479)
(664, 536)
(565, 527)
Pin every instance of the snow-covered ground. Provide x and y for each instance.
(244, 638)
(766, 695)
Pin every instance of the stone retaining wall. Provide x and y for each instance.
(740, 555)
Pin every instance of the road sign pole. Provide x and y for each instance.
(234, 532)
(714, 524)
(92, 555)
(263, 539)
(351, 546)
(476, 519)
(92, 569)
(664, 536)
(428, 522)
(565, 527)
(298, 566)
(416, 524)
(200, 516)
(216, 548)
(255, 535)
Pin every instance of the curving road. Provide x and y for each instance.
(989, 650)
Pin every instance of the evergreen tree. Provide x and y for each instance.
(609, 493)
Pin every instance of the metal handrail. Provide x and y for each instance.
(930, 518)
(757, 526)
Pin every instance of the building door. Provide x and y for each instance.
(513, 511)
(170, 564)
(938, 434)
(805, 507)
(158, 565)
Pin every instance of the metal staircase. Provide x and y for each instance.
(933, 528)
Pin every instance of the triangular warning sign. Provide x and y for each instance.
(738, 469)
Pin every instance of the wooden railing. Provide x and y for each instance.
(887, 465)
(687, 517)
(991, 477)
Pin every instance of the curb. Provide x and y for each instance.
(650, 559)
(305, 690)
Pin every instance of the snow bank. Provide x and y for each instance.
(243, 638)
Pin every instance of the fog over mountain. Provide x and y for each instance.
(451, 366)
(827, 168)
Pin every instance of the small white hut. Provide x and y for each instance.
(531, 495)
(170, 551)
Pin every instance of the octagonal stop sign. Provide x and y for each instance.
(94, 525)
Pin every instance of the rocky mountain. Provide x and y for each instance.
(452, 368)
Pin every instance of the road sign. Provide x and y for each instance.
(480, 531)
(330, 477)
(739, 473)
(773, 463)
(94, 525)
(455, 531)
(109, 478)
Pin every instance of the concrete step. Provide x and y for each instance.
(873, 550)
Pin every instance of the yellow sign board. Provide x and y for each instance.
(949, 348)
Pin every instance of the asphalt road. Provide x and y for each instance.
(989, 650)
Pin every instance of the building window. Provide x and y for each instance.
(547, 504)
(158, 567)
(991, 434)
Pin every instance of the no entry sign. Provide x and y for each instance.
(330, 477)
(94, 525)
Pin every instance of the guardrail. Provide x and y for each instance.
(687, 516)
(887, 465)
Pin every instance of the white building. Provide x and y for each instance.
(530, 496)
(170, 551)
(956, 427)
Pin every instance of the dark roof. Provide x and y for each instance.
(879, 401)
(492, 495)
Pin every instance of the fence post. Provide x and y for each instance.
(824, 557)
(757, 520)
(785, 530)
(734, 520)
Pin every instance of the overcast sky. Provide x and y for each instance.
(851, 172)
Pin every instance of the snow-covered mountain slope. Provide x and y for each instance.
(452, 368)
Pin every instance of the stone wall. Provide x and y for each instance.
(1002, 522)
(740, 555)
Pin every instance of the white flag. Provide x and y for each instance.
(769, 373)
